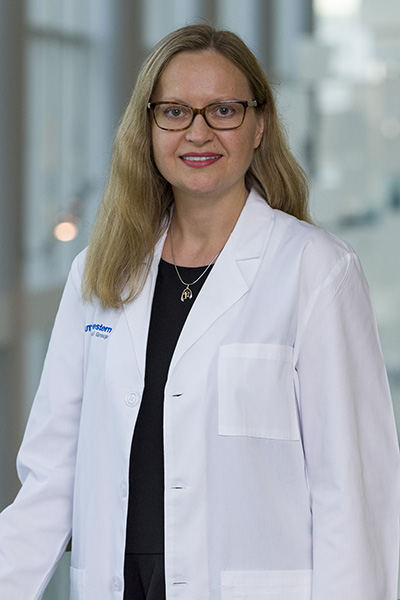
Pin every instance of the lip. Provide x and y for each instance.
(198, 160)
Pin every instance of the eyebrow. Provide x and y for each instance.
(227, 99)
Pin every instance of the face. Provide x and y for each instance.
(223, 157)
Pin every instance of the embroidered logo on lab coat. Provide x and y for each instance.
(99, 330)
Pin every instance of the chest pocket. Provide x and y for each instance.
(256, 392)
(266, 585)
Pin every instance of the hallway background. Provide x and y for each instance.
(67, 69)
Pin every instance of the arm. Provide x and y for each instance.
(35, 529)
(350, 442)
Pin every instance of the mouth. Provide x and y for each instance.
(200, 160)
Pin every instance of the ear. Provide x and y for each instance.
(260, 129)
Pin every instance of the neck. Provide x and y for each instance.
(200, 229)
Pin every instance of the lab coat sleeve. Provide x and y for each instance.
(350, 442)
(35, 529)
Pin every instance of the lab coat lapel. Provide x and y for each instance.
(232, 275)
(138, 312)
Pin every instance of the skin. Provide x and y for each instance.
(210, 195)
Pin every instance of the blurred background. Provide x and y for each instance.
(67, 69)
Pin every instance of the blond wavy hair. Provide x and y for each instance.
(137, 199)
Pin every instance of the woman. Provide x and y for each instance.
(214, 399)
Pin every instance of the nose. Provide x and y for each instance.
(199, 132)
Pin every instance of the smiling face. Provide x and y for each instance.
(201, 161)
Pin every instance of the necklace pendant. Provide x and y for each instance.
(186, 294)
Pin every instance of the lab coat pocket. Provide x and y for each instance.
(77, 577)
(256, 391)
(266, 585)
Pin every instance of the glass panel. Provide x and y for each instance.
(356, 150)
(57, 148)
(45, 13)
(240, 17)
(77, 14)
(338, 8)
(160, 17)
(66, 15)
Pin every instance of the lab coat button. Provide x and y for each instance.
(132, 399)
(116, 584)
(123, 488)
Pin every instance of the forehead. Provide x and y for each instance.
(205, 76)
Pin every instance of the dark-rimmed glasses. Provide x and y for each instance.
(227, 114)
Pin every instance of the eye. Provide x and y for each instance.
(175, 111)
(224, 110)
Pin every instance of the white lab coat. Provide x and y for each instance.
(281, 457)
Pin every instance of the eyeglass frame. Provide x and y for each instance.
(202, 111)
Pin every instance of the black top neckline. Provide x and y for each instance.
(171, 265)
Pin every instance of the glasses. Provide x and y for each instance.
(228, 114)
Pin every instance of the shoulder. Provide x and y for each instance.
(310, 238)
(314, 252)
(322, 258)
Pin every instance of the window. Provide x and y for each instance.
(357, 147)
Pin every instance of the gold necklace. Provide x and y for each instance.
(187, 293)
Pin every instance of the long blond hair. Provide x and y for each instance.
(137, 198)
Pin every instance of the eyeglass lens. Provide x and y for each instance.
(219, 115)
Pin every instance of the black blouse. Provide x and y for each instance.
(145, 526)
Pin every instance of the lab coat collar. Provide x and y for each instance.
(232, 275)
(230, 279)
